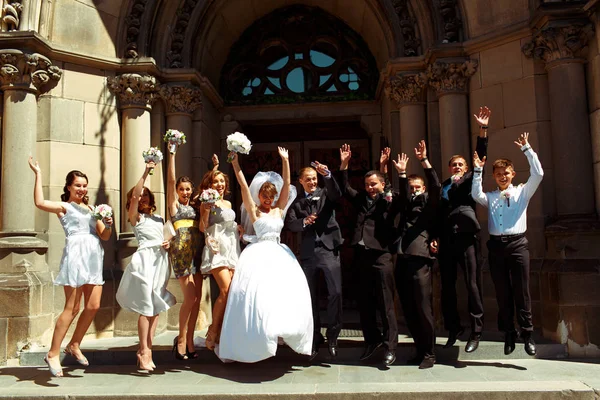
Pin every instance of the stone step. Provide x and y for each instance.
(122, 350)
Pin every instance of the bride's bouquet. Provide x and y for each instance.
(102, 211)
(174, 138)
(237, 142)
(209, 196)
(153, 154)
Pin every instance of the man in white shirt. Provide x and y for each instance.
(508, 247)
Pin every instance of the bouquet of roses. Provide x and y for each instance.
(153, 154)
(209, 196)
(102, 211)
(237, 142)
(174, 138)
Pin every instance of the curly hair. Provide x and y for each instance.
(66, 195)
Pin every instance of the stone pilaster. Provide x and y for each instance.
(181, 102)
(136, 93)
(561, 47)
(407, 91)
(25, 283)
(450, 81)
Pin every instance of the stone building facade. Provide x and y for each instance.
(88, 84)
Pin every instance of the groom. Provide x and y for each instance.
(313, 214)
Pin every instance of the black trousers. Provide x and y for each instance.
(415, 289)
(461, 249)
(376, 294)
(509, 266)
(327, 261)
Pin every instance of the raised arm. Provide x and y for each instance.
(433, 182)
(476, 187)
(249, 203)
(38, 193)
(345, 155)
(384, 158)
(400, 166)
(483, 119)
(285, 190)
(132, 214)
(334, 193)
(215, 161)
(171, 188)
(536, 173)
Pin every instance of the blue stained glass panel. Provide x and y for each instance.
(321, 59)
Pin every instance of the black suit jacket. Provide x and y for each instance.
(326, 228)
(375, 223)
(419, 221)
(458, 210)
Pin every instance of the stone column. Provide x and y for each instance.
(136, 93)
(181, 102)
(407, 92)
(450, 79)
(26, 290)
(560, 46)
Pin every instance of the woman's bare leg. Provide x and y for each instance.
(194, 312)
(223, 278)
(92, 295)
(188, 287)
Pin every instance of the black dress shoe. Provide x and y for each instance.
(473, 342)
(332, 344)
(529, 344)
(389, 358)
(317, 342)
(509, 342)
(452, 336)
(427, 362)
(369, 350)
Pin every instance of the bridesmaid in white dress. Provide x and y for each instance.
(217, 222)
(269, 297)
(143, 287)
(80, 271)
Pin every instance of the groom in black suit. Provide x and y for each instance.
(313, 214)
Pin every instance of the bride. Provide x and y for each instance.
(269, 296)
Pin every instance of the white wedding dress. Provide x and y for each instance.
(268, 299)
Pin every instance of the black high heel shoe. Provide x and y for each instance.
(192, 355)
(178, 355)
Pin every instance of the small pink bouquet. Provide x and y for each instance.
(388, 195)
(102, 211)
(174, 138)
(153, 154)
(209, 196)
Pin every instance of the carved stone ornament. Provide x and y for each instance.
(406, 89)
(181, 99)
(452, 23)
(27, 70)
(11, 14)
(451, 77)
(134, 22)
(408, 27)
(134, 90)
(184, 14)
(559, 42)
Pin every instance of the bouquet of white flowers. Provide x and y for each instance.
(102, 211)
(209, 196)
(237, 142)
(153, 154)
(174, 138)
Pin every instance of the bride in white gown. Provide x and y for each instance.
(269, 297)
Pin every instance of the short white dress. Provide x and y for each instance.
(268, 300)
(143, 287)
(82, 259)
(223, 228)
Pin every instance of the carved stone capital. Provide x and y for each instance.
(556, 43)
(181, 99)
(134, 90)
(406, 89)
(30, 71)
(10, 15)
(450, 77)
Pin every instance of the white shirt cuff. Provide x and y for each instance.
(477, 169)
(328, 176)
(525, 147)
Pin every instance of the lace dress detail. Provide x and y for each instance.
(223, 228)
(82, 259)
(143, 287)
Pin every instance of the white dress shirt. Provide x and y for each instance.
(508, 216)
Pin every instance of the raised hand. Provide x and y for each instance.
(477, 162)
(35, 166)
(233, 156)
(283, 153)
(523, 140)
(215, 159)
(385, 155)
(321, 168)
(401, 163)
(345, 153)
(484, 116)
(150, 165)
(421, 150)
